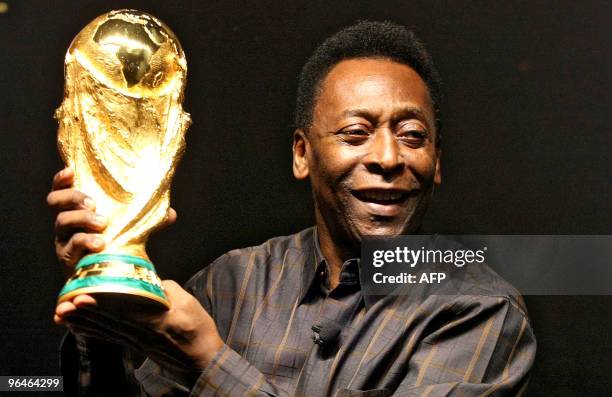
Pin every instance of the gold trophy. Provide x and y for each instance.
(121, 129)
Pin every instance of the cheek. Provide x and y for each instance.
(332, 167)
(422, 164)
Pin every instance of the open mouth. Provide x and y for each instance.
(381, 196)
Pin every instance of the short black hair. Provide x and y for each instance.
(364, 39)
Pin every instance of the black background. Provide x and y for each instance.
(526, 146)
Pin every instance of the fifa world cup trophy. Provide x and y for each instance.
(121, 129)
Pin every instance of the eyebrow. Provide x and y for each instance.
(359, 112)
(399, 114)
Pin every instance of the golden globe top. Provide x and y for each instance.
(121, 129)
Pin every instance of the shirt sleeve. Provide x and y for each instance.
(93, 367)
(229, 374)
(487, 350)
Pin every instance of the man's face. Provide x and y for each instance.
(371, 151)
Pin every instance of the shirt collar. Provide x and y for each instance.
(315, 263)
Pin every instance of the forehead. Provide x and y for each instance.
(378, 84)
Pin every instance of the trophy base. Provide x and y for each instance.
(123, 282)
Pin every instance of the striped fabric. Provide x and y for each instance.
(265, 301)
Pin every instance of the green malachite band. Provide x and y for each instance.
(97, 281)
(101, 258)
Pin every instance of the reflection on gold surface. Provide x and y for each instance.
(121, 123)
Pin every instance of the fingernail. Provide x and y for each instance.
(100, 220)
(89, 203)
(97, 242)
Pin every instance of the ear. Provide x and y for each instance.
(438, 174)
(301, 154)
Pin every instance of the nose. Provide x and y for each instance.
(384, 156)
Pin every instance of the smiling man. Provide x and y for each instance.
(289, 317)
(371, 152)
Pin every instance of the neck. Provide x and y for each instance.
(333, 249)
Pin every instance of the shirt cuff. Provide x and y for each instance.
(228, 374)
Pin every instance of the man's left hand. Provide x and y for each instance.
(183, 339)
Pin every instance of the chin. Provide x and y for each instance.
(380, 229)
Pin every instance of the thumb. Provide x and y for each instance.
(173, 290)
(170, 218)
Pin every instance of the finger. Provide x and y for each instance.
(171, 217)
(69, 199)
(173, 288)
(87, 308)
(174, 291)
(70, 307)
(67, 222)
(92, 322)
(89, 330)
(78, 246)
(82, 328)
(62, 310)
(124, 328)
(101, 326)
(183, 306)
(77, 321)
(84, 301)
(63, 179)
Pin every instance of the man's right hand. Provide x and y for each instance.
(77, 226)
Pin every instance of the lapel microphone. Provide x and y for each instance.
(326, 335)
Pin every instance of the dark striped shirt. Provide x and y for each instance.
(266, 299)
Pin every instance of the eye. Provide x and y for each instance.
(412, 135)
(355, 133)
(417, 134)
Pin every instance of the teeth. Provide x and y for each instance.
(381, 196)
